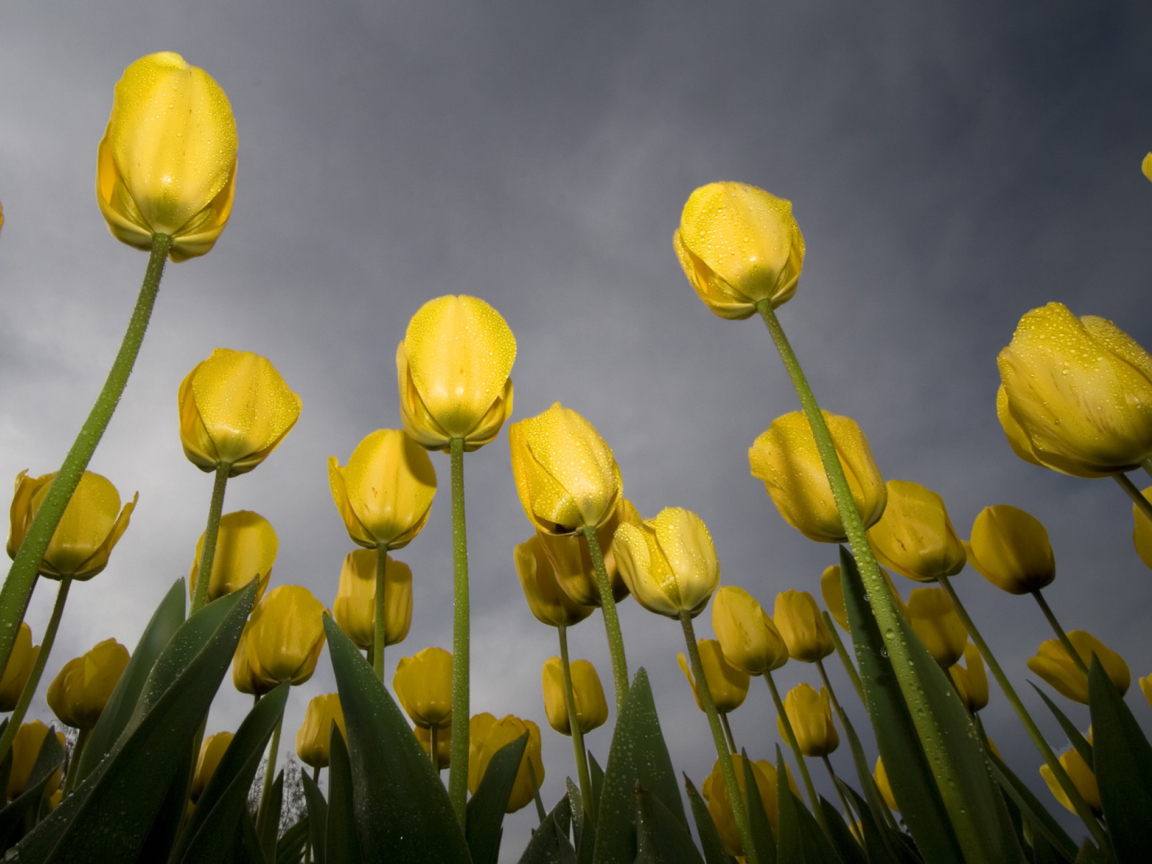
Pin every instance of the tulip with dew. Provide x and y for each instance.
(915, 536)
(797, 618)
(487, 736)
(934, 620)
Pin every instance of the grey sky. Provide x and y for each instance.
(950, 169)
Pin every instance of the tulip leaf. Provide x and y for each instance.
(800, 837)
(843, 841)
(881, 843)
(596, 775)
(211, 832)
(549, 844)
(248, 849)
(576, 805)
(1040, 819)
(169, 816)
(486, 808)
(759, 827)
(659, 833)
(401, 808)
(290, 848)
(1077, 740)
(1123, 759)
(341, 839)
(271, 825)
(165, 621)
(49, 760)
(1091, 854)
(710, 842)
(317, 816)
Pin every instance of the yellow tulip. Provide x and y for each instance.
(211, 752)
(486, 735)
(715, 792)
(315, 734)
(1010, 548)
(810, 714)
(443, 744)
(235, 409)
(832, 588)
(85, 536)
(167, 162)
(1076, 394)
(423, 684)
(79, 692)
(739, 245)
(545, 598)
(572, 562)
(798, 620)
(934, 620)
(747, 636)
(786, 459)
(355, 605)
(19, 667)
(591, 708)
(915, 537)
(1082, 778)
(1053, 664)
(25, 749)
(971, 681)
(246, 548)
(1145, 166)
(1142, 531)
(1146, 687)
(881, 777)
(668, 563)
(281, 641)
(384, 493)
(727, 684)
(453, 368)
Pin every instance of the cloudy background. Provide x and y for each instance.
(950, 170)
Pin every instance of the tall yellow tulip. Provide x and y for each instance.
(915, 537)
(355, 605)
(798, 620)
(587, 693)
(19, 667)
(211, 752)
(246, 548)
(1010, 548)
(486, 736)
(668, 563)
(423, 685)
(747, 636)
(572, 562)
(282, 640)
(79, 692)
(934, 619)
(314, 736)
(1082, 778)
(550, 604)
(810, 714)
(1053, 664)
(727, 684)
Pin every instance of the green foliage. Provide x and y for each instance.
(486, 808)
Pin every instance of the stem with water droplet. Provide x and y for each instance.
(611, 619)
(381, 608)
(458, 767)
(211, 533)
(1142, 503)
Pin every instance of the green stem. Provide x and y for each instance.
(17, 716)
(790, 735)
(1025, 718)
(883, 606)
(74, 760)
(728, 734)
(611, 619)
(1147, 465)
(378, 637)
(739, 811)
(458, 768)
(1060, 634)
(842, 653)
(843, 801)
(577, 733)
(211, 532)
(536, 791)
(1144, 505)
(17, 589)
(269, 777)
(433, 745)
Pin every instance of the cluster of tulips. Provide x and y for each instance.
(142, 782)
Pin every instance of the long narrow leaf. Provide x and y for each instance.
(710, 842)
(49, 760)
(487, 806)
(664, 834)
(341, 839)
(317, 817)
(763, 838)
(1031, 809)
(1074, 736)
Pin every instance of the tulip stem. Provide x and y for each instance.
(728, 734)
(211, 532)
(843, 801)
(1142, 503)
(433, 745)
(739, 811)
(74, 760)
(1060, 634)
(611, 619)
(17, 589)
(378, 637)
(540, 811)
(849, 666)
(458, 767)
(790, 735)
(269, 776)
(1147, 465)
(1026, 719)
(577, 732)
(883, 606)
(17, 716)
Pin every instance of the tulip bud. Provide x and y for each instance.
(1053, 664)
(747, 636)
(281, 641)
(798, 619)
(715, 792)
(915, 537)
(453, 368)
(832, 590)
(246, 548)
(1142, 531)
(211, 752)
(91, 526)
(786, 459)
(315, 734)
(1010, 549)
(486, 735)
(810, 714)
(739, 245)
(355, 605)
(934, 620)
(1082, 778)
(668, 563)
(19, 667)
(79, 692)
(443, 745)
(167, 162)
(384, 493)
(971, 682)
(587, 692)
(423, 684)
(1146, 686)
(26, 746)
(1145, 166)
(548, 603)
(727, 684)
(235, 409)
(1077, 394)
(881, 777)
(572, 562)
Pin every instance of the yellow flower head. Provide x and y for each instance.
(1142, 531)
(314, 737)
(798, 620)
(19, 667)
(423, 684)
(810, 714)
(832, 588)
(1010, 549)
(915, 537)
(1145, 166)
(572, 561)
(971, 681)
(1082, 778)
(881, 777)
(167, 162)
(934, 620)
(246, 548)
(486, 735)
(281, 641)
(727, 684)
(355, 605)
(587, 693)
(546, 599)
(211, 752)
(1053, 664)
(25, 750)
(1146, 687)
(715, 792)
(79, 692)
(747, 636)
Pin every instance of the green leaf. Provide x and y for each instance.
(272, 817)
(763, 839)
(486, 808)
(1090, 854)
(1123, 768)
(1032, 810)
(844, 842)
(880, 842)
(1078, 741)
(596, 775)
(49, 759)
(402, 809)
(290, 848)
(317, 816)
(713, 846)
(660, 833)
(801, 839)
(341, 839)
(549, 845)
(576, 805)
(169, 816)
(248, 849)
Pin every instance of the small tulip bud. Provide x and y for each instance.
(26, 746)
(423, 684)
(587, 692)
(281, 641)
(727, 684)
(810, 714)
(211, 752)
(971, 681)
(798, 619)
(934, 620)
(1010, 548)
(668, 563)
(545, 598)
(747, 636)
(1053, 664)
(315, 735)
(1082, 778)
(915, 537)
(881, 777)
(355, 605)
(79, 692)
(246, 548)
(486, 735)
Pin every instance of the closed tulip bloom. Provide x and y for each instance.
(1077, 394)
(19, 667)
(747, 636)
(798, 619)
(242, 676)
(25, 748)
(79, 692)
(167, 162)
(572, 562)
(1145, 166)
(668, 563)
(915, 537)
(423, 684)
(315, 733)
(211, 752)
(1082, 778)
(587, 692)
(384, 493)
(1142, 532)
(832, 588)
(235, 409)
(92, 524)
(443, 745)
(881, 777)
(727, 684)
(452, 370)
(715, 792)
(786, 459)
(934, 620)
(486, 735)
(810, 714)
(355, 605)
(971, 680)
(1146, 687)
(283, 638)
(1053, 664)
(1010, 549)
(246, 548)
(547, 601)
(739, 245)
